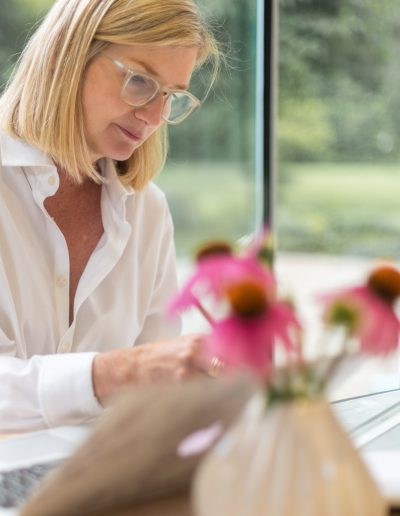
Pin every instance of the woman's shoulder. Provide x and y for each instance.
(16, 152)
(154, 195)
(150, 208)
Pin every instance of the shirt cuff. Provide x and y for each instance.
(66, 393)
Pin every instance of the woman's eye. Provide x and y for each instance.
(138, 79)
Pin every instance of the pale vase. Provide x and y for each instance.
(293, 459)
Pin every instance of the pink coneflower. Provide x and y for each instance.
(217, 269)
(247, 337)
(256, 320)
(367, 311)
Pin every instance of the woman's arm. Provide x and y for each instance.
(46, 390)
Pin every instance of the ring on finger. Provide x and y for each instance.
(215, 367)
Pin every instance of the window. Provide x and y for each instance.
(210, 177)
(16, 21)
(338, 174)
(213, 172)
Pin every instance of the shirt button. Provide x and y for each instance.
(51, 180)
(61, 282)
(65, 347)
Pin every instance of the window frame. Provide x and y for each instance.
(266, 133)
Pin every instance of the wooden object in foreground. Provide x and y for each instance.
(132, 454)
(175, 505)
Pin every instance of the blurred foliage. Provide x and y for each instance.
(208, 200)
(17, 20)
(341, 208)
(226, 120)
(304, 130)
(339, 103)
(344, 53)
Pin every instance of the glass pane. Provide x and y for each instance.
(210, 175)
(339, 174)
(16, 21)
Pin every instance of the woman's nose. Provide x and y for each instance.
(152, 112)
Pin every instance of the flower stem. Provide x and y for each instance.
(334, 365)
(204, 313)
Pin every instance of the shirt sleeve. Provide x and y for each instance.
(158, 325)
(45, 391)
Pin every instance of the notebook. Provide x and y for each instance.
(373, 422)
(26, 459)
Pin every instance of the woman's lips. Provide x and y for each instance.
(132, 136)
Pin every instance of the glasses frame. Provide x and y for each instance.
(167, 92)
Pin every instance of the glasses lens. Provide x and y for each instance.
(139, 89)
(178, 106)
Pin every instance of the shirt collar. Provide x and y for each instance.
(18, 153)
(113, 184)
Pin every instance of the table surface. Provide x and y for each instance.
(178, 505)
(175, 505)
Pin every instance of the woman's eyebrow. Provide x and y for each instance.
(151, 71)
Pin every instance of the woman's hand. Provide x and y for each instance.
(168, 361)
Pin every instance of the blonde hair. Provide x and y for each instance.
(42, 103)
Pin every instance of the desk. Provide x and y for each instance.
(365, 406)
(172, 506)
(179, 505)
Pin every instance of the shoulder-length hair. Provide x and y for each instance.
(42, 103)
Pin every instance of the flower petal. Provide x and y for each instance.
(378, 326)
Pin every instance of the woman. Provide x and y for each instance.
(87, 260)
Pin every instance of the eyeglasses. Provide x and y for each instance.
(139, 88)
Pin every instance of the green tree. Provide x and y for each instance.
(226, 120)
(340, 53)
(16, 22)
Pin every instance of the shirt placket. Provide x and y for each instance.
(45, 184)
(107, 254)
(117, 231)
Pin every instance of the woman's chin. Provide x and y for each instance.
(118, 154)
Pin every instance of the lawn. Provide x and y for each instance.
(208, 200)
(344, 208)
(341, 208)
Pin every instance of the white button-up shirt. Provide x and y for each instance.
(45, 364)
